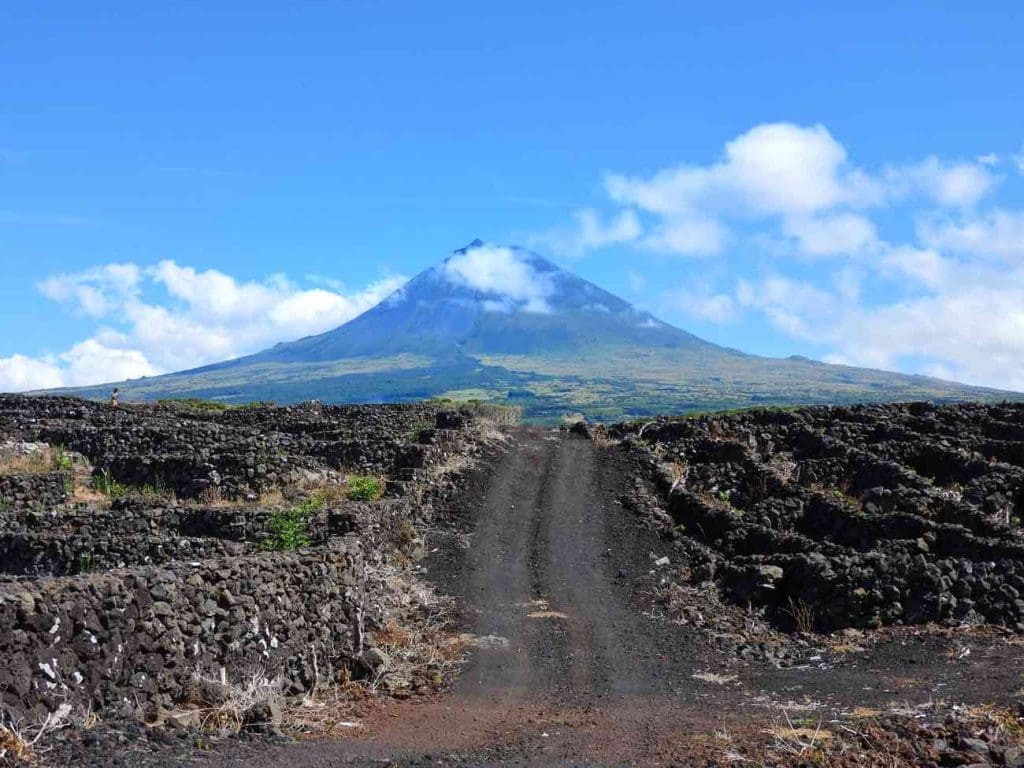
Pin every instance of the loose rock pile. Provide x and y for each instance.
(127, 604)
(839, 517)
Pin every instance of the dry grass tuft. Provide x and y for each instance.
(413, 649)
(802, 614)
(34, 463)
(223, 707)
(417, 644)
(271, 497)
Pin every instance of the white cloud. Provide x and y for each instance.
(925, 267)
(799, 178)
(774, 170)
(212, 294)
(589, 233)
(798, 308)
(787, 169)
(998, 234)
(828, 235)
(892, 294)
(975, 333)
(623, 228)
(207, 316)
(971, 326)
(502, 272)
(956, 185)
(92, 361)
(94, 292)
(688, 235)
(19, 373)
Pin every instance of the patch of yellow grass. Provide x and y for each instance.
(859, 713)
(34, 463)
(802, 734)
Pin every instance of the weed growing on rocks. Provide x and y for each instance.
(253, 703)
(108, 486)
(364, 488)
(20, 744)
(60, 459)
(289, 528)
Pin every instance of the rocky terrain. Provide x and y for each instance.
(419, 584)
(849, 517)
(205, 565)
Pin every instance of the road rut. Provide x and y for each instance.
(568, 668)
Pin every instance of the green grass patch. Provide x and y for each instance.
(195, 403)
(364, 488)
(108, 486)
(60, 458)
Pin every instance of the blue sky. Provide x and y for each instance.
(181, 185)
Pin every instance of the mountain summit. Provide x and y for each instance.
(487, 299)
(503, 323)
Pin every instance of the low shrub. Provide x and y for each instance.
(364, 488)
(195, 403)
(288, 529)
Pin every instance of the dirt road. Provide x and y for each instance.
(569, 669)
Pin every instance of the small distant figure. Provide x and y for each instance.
(115, 397)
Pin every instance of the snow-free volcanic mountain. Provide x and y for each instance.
(501, 323)
(485, 300)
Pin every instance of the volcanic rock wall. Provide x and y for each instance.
(236, 452)
(143, 636)
(129, 603)
(32, 491)
(851, 516)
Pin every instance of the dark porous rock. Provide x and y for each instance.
(174, 591)
(874, 514)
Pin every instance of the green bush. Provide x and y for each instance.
(364, 488)
(154, 490)
(288, 529)
(201, 404)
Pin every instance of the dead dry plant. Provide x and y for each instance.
(21, 744)
(417, 642)
(413, 648)
(802, 614)
(222, 706)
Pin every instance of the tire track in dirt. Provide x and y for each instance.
(567, 670)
